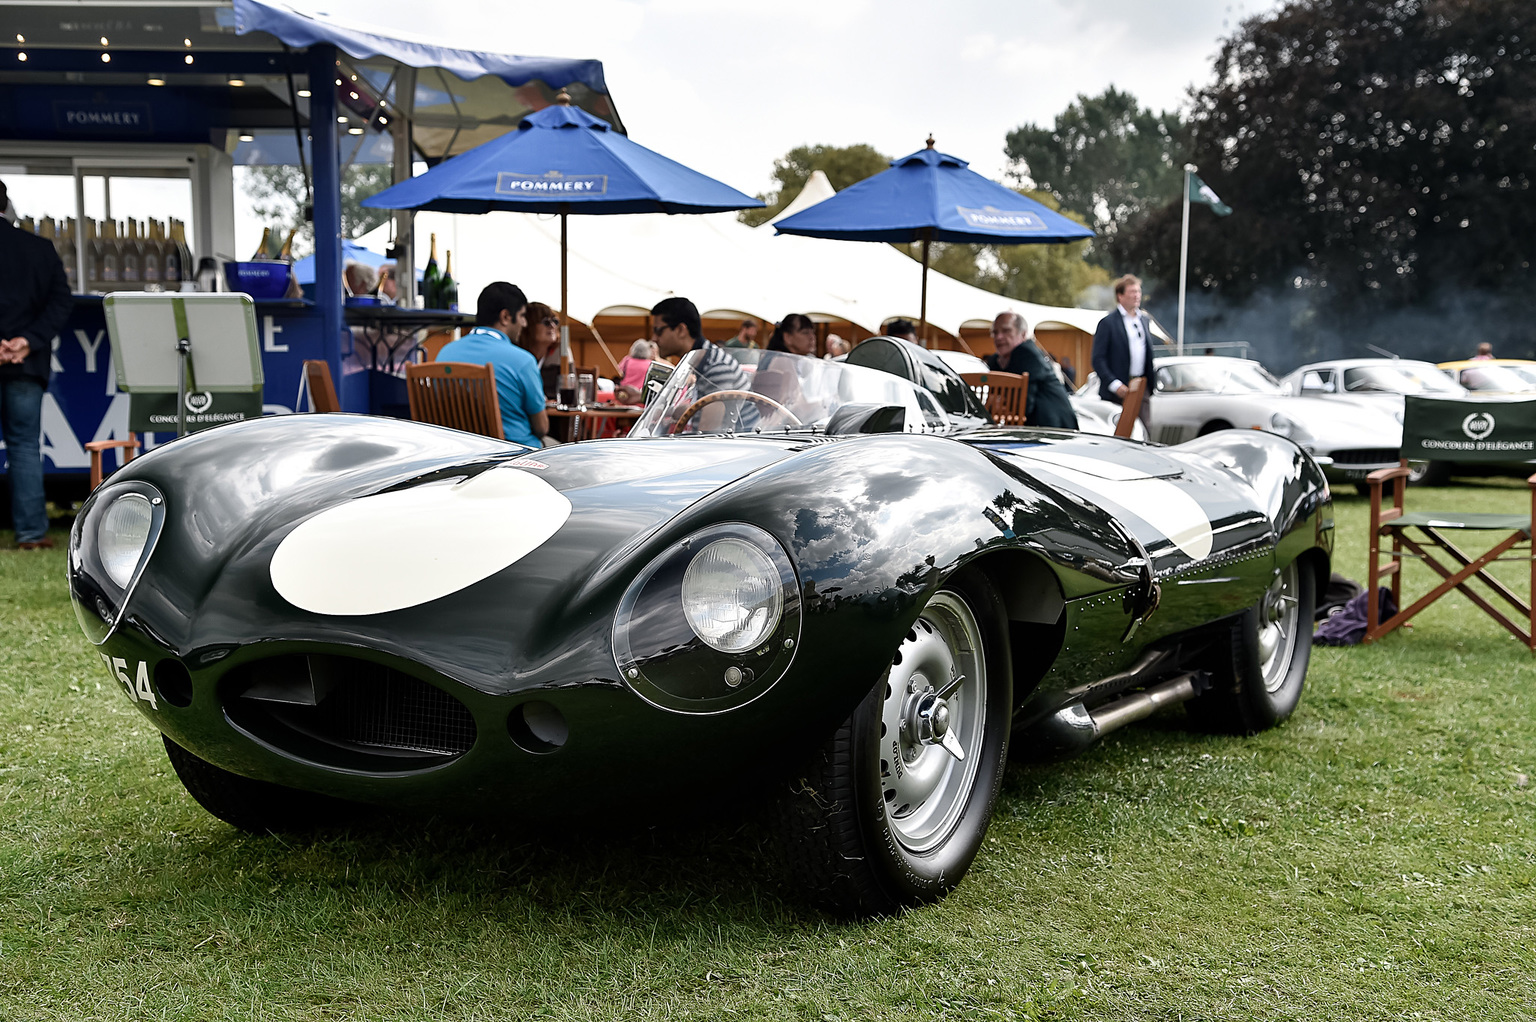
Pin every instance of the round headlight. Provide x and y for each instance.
(122, 536)
(732, 595)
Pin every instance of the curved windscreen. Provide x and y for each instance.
(1495, 379)
(1216, 376)
(735, 390)
(1403, 378)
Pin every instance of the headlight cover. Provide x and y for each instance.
(112, 539)
(711, 623)
(122, 535)
(1288, 427)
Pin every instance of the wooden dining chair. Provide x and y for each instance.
(322, 391)
(1005, 395)
(1130, 409)
(459, 395)
(129, 447)
(1444, 429)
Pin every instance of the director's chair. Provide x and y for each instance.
(1436, 429)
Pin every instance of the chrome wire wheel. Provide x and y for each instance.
(1278, 628)
(932, 724)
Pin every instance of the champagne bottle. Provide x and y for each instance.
(154, 255)
(179, 265)
(286, 255)
(263, 250)
(133, 256)
(27, 225)
(111, 256)
(447, 288)
(95, 255)
(430, 279)
(69, 257)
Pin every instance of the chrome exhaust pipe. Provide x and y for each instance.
(1121, 712)
(1074, 728)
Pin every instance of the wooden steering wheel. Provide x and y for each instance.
(722, 395)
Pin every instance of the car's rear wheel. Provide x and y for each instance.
(256, 806)
(1260, 682)
(892, 809)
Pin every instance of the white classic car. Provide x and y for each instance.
(1092, 416)
(1378, 383)
(1198, 394)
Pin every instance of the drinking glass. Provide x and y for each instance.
(586, 390)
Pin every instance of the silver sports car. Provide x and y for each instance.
(1199, 394)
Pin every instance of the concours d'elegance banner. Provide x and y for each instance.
(1493, 429)
(156, 413)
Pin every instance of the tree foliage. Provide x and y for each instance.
(1375, 149)
(1105, 158)
(843, 165)
(276, 195)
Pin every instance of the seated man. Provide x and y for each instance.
(678, 330)
(499, 317)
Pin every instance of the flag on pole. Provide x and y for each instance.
(1201, 192)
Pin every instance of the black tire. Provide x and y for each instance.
(1256, 687)
(1214, 426)
(259, 807)
(852, 832)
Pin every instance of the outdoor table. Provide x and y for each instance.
(578, 416)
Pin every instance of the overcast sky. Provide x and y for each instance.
(726, 86)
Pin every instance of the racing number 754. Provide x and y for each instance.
(138, 684)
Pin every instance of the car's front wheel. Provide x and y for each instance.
(1259, 684)
(256, 806)
(892, 809)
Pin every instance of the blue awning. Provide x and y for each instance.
(299, 29)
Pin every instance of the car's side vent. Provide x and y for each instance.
(348, 712)
(1171, 435)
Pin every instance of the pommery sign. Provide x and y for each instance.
(102, 117)
(552, 183)
(1021, 220)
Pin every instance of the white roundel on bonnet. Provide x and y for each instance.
(367, 556)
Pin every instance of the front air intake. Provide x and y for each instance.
(347, 712)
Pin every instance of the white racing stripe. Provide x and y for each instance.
(402, 549)
(1160, 503)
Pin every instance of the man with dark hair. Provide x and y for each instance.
(1047, 402)
(678, 330)
(903, 328)
(1122, 347)
(745, 337)
(34, 303)
(500, 315)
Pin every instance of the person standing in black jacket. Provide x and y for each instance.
(1047, 403)
(1122, 347)
(34, 303)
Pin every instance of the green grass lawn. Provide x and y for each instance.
(1371, 859)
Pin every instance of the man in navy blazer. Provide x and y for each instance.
(1122, 347)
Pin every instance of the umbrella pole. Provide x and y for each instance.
(922, 330)
(565, 326)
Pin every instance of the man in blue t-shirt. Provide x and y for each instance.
(499, 317)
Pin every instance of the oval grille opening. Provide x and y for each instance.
(348, 712)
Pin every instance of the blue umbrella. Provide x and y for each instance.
(351, 252)
(931, 196)
(562, 160)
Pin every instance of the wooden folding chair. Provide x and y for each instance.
(129, 447)
(1439, 429)
(322, 392)
(1130, 408)
(459, 395)
(1005, 395)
